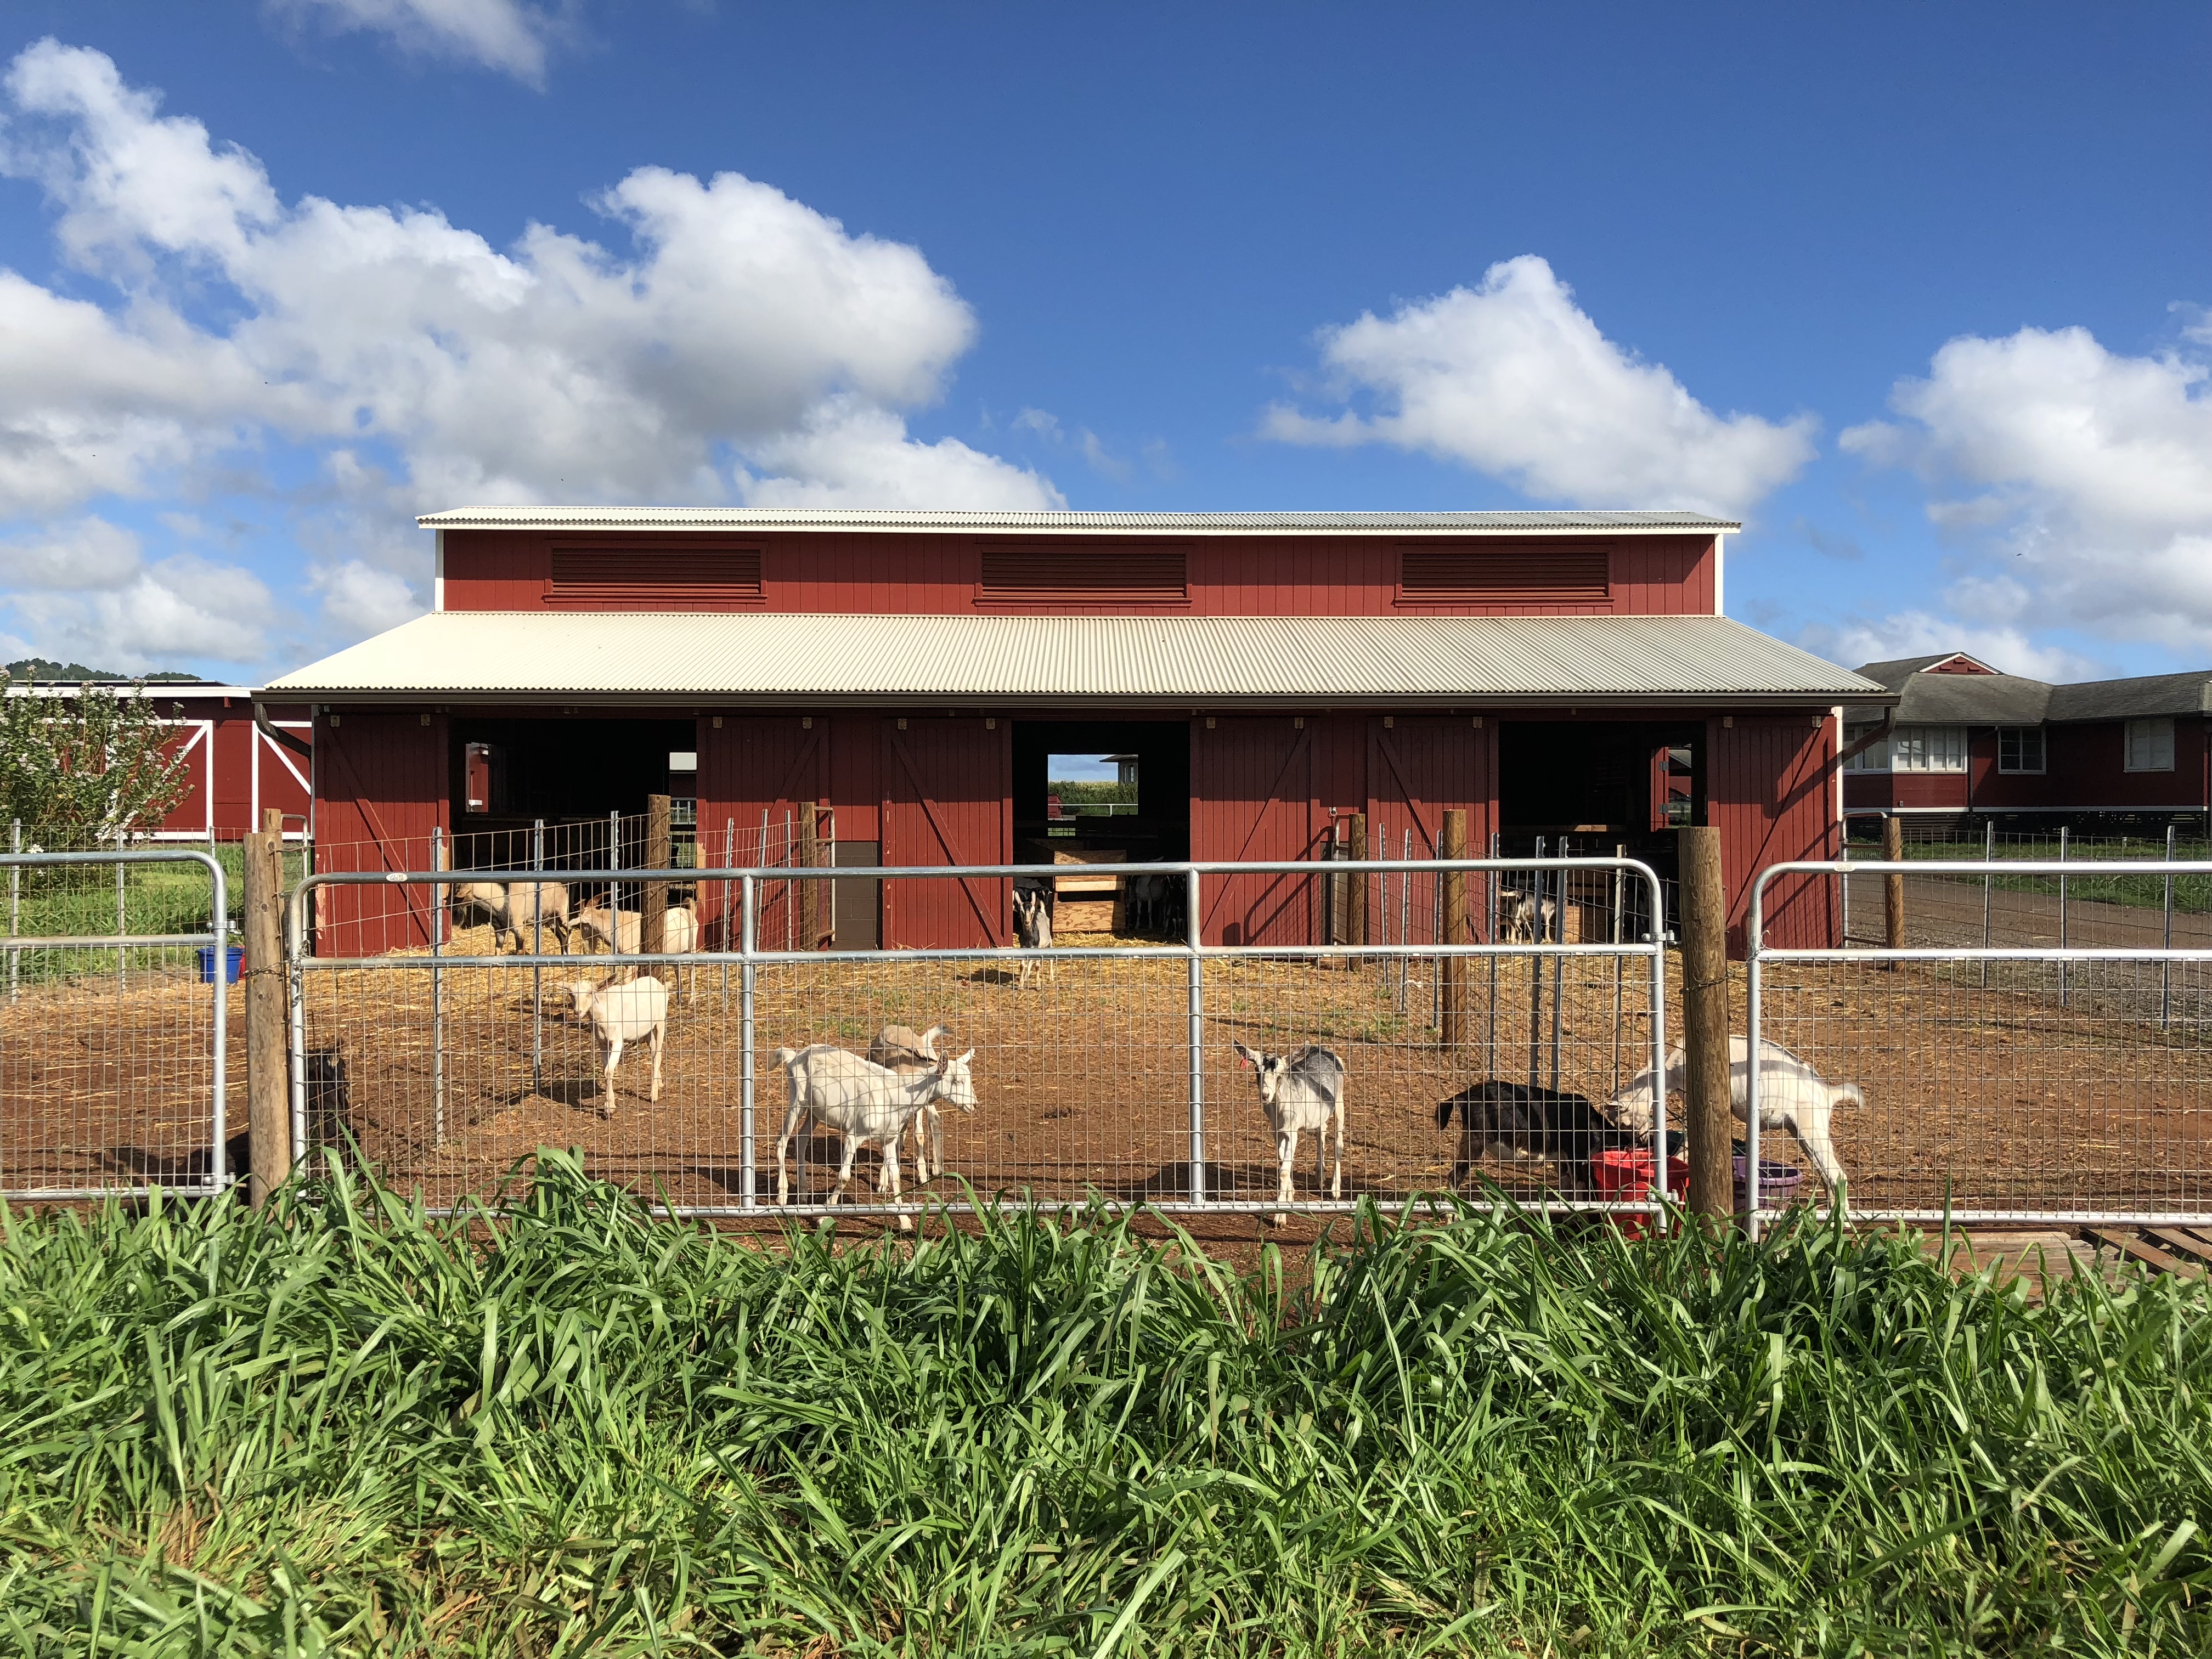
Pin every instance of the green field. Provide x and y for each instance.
(157, 898)
(572, 1429)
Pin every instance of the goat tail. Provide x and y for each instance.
(1444, 1111)
(1850, 1091)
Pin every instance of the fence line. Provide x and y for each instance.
(1085, 1079)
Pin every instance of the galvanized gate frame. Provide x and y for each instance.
(1760, 953)
(748, 957)
(218, 937)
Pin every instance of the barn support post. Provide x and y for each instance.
(2166, 938)
(1454, 974)
(1893, 887)
(653, 921)
(748, 1182)
(1705, 1018)
(1195, 1040)
(538, 949)
(1355, 919)
(810, 892)
(268, 1116)
(437, 990)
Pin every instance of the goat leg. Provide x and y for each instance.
(607, 1092)
(1336, 1182)
(658, 1032)
(853, 1145)
(1287, 1155)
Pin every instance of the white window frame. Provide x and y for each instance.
(2147, 746)
(1934, 748)
(2018, 734)
(1875, 757)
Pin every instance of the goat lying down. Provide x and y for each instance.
(1521, 1120)
(620, 1011)
(1299, 1092)
(862, 1101)
(907, 1051)
(1792, 1095)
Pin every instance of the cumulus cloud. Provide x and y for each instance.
(168, 611)
(504, 35)
(1923, 633)
(90, 553)
(2089, 473)
(1511, 377)
(735, 344)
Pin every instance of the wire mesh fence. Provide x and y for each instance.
(116, 1031)
(2019, 1080)
(1106, 1067)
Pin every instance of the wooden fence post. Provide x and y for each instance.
(1454, 975)
(1355, 898)
(1706, 1019)
(810, 892)
(268, 1103)
(1893, 887)
(653, 924)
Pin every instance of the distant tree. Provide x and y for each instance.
(1072, 790)
(77, 768)
(45, 668)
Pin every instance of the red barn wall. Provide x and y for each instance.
(1253, 779)
(886, 573)
(1769, 792)
(948, 799)
(1419, 767)
(381, 782)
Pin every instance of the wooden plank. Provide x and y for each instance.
(2136, 1250)
(2189, 1247)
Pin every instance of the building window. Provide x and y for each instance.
(2020, 749)
(1875, 757)
(1928, 749)
(2150, 746)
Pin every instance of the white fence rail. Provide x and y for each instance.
(1102, 1068)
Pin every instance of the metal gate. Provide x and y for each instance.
(2009, 1080)
(1105, 1068)
(114, 1042)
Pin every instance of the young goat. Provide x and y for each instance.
(1300, 1091)
(679, 928)
(629, 1010)
(1033, 930)
(523, 911)
(1524, 918)
(862, 1101)
(1792, 1095)
(1519, 1120)
(903, 1050)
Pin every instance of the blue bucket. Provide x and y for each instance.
(233, 955)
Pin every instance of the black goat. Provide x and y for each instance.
(1531, 1123)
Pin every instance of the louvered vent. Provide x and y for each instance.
(1083, 576)
(1539, 574)
(655, 579)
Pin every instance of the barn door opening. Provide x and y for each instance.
(947, 789)
(1092, 794)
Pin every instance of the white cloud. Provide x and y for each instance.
(91, 553)
(2091, 471)
(171, 610)
(743, 346)
(1512, 379)
(1922, 633)
(358, 598)
(504, 35)
(1088, 444)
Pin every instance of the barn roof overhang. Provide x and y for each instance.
(919, 662)
(597, 520)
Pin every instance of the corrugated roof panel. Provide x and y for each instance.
(1234, 659)
(742, 520)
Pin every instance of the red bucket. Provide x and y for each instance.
(1625, 1174)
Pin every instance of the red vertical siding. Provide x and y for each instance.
(748, 766)
(380, 782)
(1253, 798)
(2088, 766)
(948, 799)
(856, 789)
(1417, 769)
(1770, 793)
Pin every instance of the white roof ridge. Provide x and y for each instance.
(588, 519)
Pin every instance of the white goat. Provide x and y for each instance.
(628, 1012)
(518, 909)
(862, 1101)
(1033, 930)
(1525, 918)
(907, 1051)
(679, 928)
(1300, 1091)
(1792, 1095)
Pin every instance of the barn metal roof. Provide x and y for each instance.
(743, 520)
(921, 660)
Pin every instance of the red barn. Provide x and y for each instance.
(1552, 673)
(233, 769)
(1964, 740)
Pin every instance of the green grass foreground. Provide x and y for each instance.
(569, 1428)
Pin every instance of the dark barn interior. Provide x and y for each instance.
(1159, 829)
(1598, 783)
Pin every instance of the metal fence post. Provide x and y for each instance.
(748, 1182)
(2165, 940)
(1559, 964)
(14, 909)
(1196, 1037)
(538, 949)
(729, 862)
(2062, 982)
(122, 927)
(1534, 889)
(1619, 962)
(437, 992)
(614, 888)
(1988, 856)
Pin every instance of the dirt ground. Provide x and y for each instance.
(1997, 1097)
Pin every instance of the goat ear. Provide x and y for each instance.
(965, 1058)
(1245, 1055)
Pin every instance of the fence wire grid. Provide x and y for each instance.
(447, 1065)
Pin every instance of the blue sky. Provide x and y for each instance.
(1918, 292)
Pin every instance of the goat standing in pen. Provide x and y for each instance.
(1299, 1092)
(522, 910)
(1792, 1095)
(903, 1050)
(1521, 1120)
(862, 1101)
(620, 1011)
(1033, 930)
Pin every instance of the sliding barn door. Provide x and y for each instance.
(755, 776)
(1252, 779)
(380, 785)
(1416, 769)
(948, 799)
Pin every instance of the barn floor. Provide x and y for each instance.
(1997, 1098)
